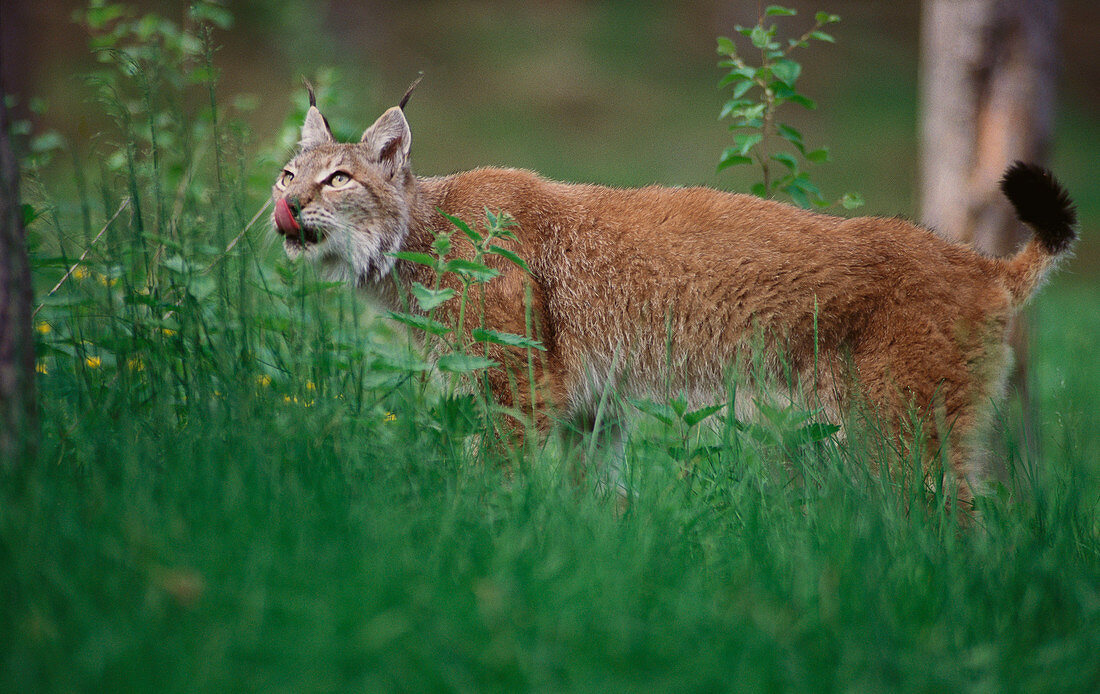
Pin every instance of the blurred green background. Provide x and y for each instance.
(622, 93)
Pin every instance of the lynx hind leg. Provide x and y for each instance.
(940, 383)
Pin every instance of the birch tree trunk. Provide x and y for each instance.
(17, 402)
(988, 71)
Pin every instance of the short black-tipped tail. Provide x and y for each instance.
(1043, 204)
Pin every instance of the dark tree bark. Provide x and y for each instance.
(17, 401)
(988, 75)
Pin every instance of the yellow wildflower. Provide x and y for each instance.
(80, 273)
(168, 332)
(44, 328)
(40, 367)
(135, 364)
(390, 417)
(263, 380)
(310, 385)
(93, 362)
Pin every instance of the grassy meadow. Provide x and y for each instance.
(246, 479)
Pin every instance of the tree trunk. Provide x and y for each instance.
(987, 93)
(17, 401)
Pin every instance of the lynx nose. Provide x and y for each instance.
(286, 218)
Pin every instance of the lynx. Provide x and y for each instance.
(660, 289)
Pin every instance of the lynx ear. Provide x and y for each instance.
(315, 130)
(389, 140)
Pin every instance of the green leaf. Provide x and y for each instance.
(750, 124)
(851, 201)
(97, 17)
(791, 135)
(777, 11)
(759, 190)
(729, 79)
(515, 259)
(476, 271)
(730, 157)
(201, 287)
(46, 142)
(430, 298)
(404, 361)
(786, 160)
(678, 405)
(759, 37)
(413, 257)
(177, 264)
(677, 452)
(424, 323)
(459, 362)
(749, 114)
(762, 435)
(508, 339)
(787, 71)
(798, 196)
(742, 143)
(822, 36)
(695, 416)
(218, 16)
(706, 451)
(733, 105)
(726, 46)
(742, 87)
(826, 18)
(202, 75)
(818, 155)
(802, 182)
(788, 133)
(442, 245)
(29, 214)
(803, 101)
(659, 411)
(463, 227)
(818, 431)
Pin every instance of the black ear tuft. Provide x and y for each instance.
(309, 90)
(409, 91)
(1041, 203)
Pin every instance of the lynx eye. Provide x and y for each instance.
(285, 178)
(338, 179)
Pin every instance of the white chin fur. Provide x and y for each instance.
(353, 258)
(331, 262)
(293, 249)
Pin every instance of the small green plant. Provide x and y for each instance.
(463, 354)
(758, 92)
(684, 422)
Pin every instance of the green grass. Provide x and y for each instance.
(243, 483)
(169, 538)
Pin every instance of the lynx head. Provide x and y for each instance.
(346, 206)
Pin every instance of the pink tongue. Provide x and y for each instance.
(284, 219)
